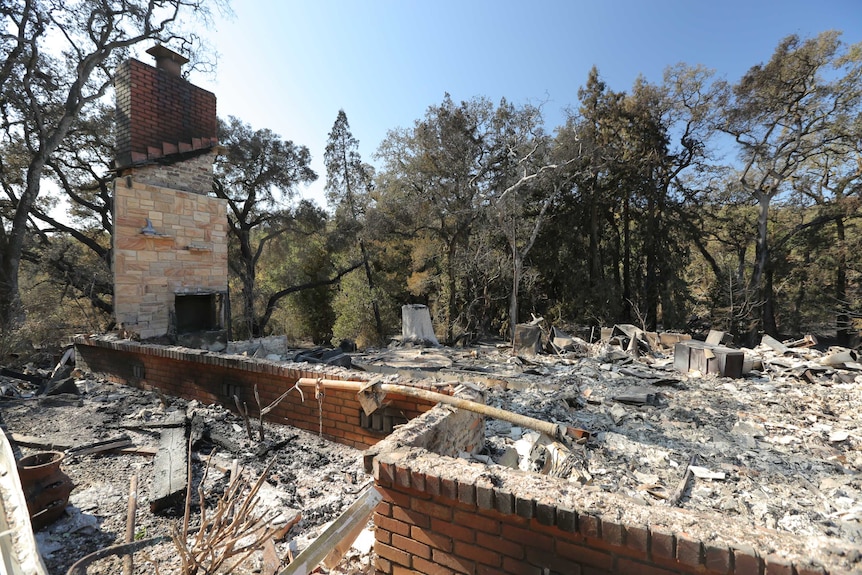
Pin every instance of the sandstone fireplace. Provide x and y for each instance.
(170, 235)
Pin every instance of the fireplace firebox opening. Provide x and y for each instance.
(199, 312)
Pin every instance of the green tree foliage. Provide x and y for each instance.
(625, 205)
(460, 166)
(626, 212)
(784, 115)
(56, 60)
(578, 250)
(667, 129)
(723, 231)
(257, 176)
(435, 173)
(354, 311)
(524, 182)
(295, 277)
(348, 182)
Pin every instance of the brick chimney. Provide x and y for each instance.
(159, 113)
(170, 234)
(167, 59)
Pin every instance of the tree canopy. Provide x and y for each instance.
(57, 64)
(630, 211)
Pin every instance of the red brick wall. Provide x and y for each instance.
(155, 106)
(194, 374)
(420, 533)
(445, 516)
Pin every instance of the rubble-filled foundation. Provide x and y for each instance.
(443, 514)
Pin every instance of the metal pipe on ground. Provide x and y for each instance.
(378, 390)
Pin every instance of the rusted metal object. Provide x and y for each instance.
(371, 394)
(46, 488)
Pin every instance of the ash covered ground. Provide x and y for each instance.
(309, 475)
(777, 448)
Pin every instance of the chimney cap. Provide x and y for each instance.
(167, 59)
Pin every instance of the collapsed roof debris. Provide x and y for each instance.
(778, 447)
(311, 481)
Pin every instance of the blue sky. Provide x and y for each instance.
(290, 65)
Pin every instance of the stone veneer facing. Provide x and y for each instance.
(186, 255)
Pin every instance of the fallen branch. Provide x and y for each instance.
(128, 560)
(80, 566)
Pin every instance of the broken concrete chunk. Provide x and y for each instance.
(838, 436)
(838, 357)
(704, 473)
(618, 414)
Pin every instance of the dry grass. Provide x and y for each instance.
(227, 535)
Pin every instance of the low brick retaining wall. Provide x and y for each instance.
(215, 378)
(442, 514)
(445, 515)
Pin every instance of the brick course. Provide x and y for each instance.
(155, 107)
(194, 374)
(520, 523)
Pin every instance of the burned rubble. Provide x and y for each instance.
(778, 447)
(770, 448)
(310, 481)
